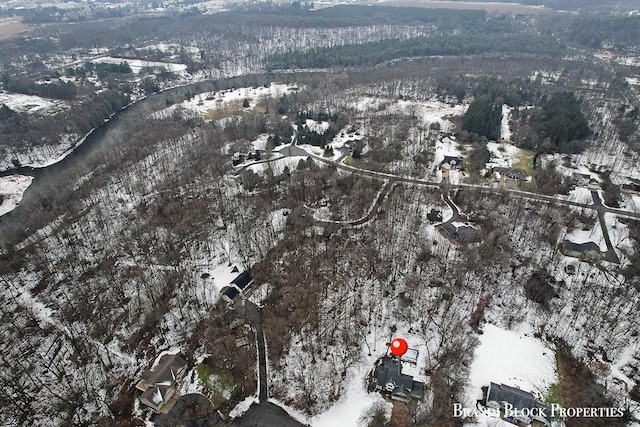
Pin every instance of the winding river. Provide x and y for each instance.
(45, 178)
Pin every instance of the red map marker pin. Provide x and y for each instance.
(399, 347)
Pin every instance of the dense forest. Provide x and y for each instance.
(369, 54)
(483, 118)
(598, 31)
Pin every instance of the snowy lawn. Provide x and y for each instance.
(29, 103)
(347, 411)
(505, 155)
(512, 358)
(210, 104)
(505, 129)
(11, 190)
(260, 143)
(430, 112)
(278, 166)
(592, 235)
(137, 65)
(581, 195)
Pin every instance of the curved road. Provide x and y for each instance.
(597, 205)
(293, 150)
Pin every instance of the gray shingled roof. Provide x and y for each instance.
(404, 387)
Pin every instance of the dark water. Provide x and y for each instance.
(46, 178)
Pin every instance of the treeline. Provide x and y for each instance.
(103, 69)
(595, 31)
(561, 125)
(483, 118)
(373, 53)
(58, 90)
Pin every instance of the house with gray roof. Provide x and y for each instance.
(522, 406)
(389, 379)
(160, 384)
(239, 285)
(462, 233)
(513, 173)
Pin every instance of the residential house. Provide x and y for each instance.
(389, 379)
(452, 161)
(580, 179)
(513, 173)
(238, 286)
(523, 407)
(462, 233)
(160, 384)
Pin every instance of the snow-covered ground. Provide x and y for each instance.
(11, 190)
(260, 143)
(429, 112)
(512, 358)
(278, 166)
(205, 103)
(592, 235)
(503, 155)
(505, 129)
(547, 77)
(137, 65)
(29, 103)
(347, 411)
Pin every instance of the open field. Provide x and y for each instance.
(11, 27)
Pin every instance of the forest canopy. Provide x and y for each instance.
(561, 124)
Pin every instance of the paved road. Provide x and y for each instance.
(610, 255)
(297, 151)
(374, 208)
(265, 413)
(191, 410)
(252, 314)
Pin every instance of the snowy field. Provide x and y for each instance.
(512, 358)
(29, 103)
(11, 190)
(206, 103)
(504, 155)
(430, 112)
(137, 65)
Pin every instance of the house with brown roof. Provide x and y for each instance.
(158, 385)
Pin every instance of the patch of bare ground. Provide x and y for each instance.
(12, 27)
